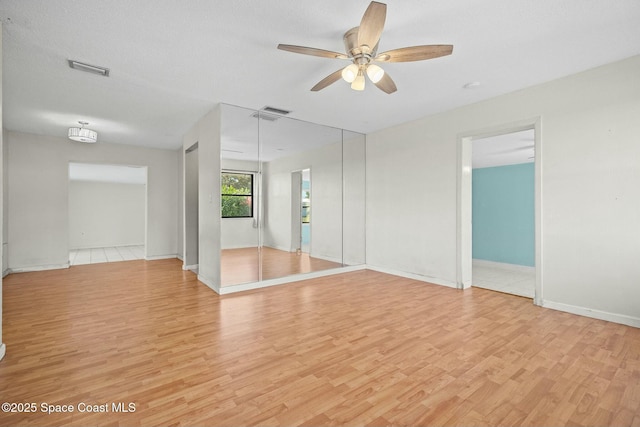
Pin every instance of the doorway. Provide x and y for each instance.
(305, 241)
(301, 211)
(191, 242)
(499, 225)
(107, 213)
(502, 213)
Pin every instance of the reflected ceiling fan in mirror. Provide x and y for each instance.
(361, 44)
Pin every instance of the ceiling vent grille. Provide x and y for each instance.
(93, 69)
(275, 110)
(270, 114)
(264, 116)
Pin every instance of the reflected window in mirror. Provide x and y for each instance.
(237, 195)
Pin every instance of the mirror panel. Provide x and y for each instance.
(302, 177)
(308, 196)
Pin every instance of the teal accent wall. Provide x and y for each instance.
(503, 214)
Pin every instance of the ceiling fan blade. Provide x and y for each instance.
(372, 24)
(312, 51)
(330, 79)
(386, 84)
(415, 53)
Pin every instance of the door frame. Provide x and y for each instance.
(296, 211)
(191, 224)
(464, 279)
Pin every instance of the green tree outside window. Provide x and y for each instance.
(237, 195)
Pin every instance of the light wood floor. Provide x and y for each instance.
(361, 348)
(243, 265)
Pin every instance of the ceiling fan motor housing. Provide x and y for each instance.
(354, 50)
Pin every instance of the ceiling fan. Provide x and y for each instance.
(361, 44)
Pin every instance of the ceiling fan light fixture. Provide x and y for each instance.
(375, 73)
(81, 134)
(349, 73)
(361, 47)
(358, 83)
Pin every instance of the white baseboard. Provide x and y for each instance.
(3, 350)
(157, 257)
(209, 284)
(37, 268)
(190, 267)
(595, 314)
(414, 276)
(6, 272)
(224, 290)
(504, 266)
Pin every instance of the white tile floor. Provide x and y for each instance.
(112, 254)
(516, 280)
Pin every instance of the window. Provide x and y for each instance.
(237, 195)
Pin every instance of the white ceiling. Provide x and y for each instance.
(501, 150)
(171, 61)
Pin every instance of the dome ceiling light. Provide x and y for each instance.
(83, 134)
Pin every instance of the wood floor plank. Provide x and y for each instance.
(361, 348)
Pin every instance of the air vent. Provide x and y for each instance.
(275, 110)
(265, 116)
(93, 69)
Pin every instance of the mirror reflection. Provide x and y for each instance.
(285, 196)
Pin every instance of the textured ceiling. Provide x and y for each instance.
(171, 61)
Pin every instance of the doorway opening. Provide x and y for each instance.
(502, 200)
(107, 213)
(191, 242)
(305, 211)
(301, 211)
(499, 210)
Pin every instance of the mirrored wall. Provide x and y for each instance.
(293, 197)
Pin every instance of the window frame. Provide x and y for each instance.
(250, 195)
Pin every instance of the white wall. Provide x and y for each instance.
(38, 196)
(354, 216)
(326, 201)
(206, 132)
(241, 232)
(590, 189)
(105, 214)
(2, 200)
